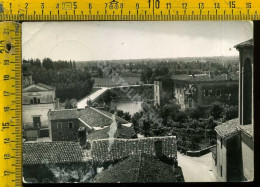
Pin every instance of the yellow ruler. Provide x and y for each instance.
(33, 10)
(10, 105)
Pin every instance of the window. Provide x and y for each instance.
(36, 121)
(210, 92)
(70, 125)
(155, 88)
(156, 99)
(59, 125)
(35, 100)
(190, 103)
(206, 93)
(218, 92)
(221, 170)
(221, 142)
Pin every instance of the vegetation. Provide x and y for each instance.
(194, 128)
(188, 65)
(69, 82)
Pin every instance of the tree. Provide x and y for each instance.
(100, 72)
(74, 65)
(68, 104)
(47, 63)
(230, 112)
(146, 75)
(216, 110)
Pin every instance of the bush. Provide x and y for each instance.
(230, 112)
(216, 110)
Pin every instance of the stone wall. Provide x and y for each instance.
(247, 146)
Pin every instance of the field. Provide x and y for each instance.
(108, 82)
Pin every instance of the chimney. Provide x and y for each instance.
(82, 136)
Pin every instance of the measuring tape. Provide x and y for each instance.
(10, 104)
(60, 10)
(47, 10)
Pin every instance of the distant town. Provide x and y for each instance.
(139, 120)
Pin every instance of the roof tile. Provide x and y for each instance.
(93, 117)
(247, 43)
(122, 148)
(51, 152)
(227, 128)
(140, 168)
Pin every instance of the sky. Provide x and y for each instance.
(84, 41)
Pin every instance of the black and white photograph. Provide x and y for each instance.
(137, 102)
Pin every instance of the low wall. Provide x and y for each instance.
(200, 152)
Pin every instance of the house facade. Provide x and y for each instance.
(191, 91)
(163, 89)
(202, 90)
(233, 159)
(37, 100)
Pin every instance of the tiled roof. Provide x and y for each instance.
(38, 88)
(247, 43)
(45, 86)
(64, 114)
(206, 78)
(93, 117)
(122, 132)
(121, 120)
(247, 129)
(227, 128)
(51, 152)
(140, 168)
(122, 148)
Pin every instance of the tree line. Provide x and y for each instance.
(48, 63)
(69, 82)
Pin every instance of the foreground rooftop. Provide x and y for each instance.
(140, 168)
(227, 128)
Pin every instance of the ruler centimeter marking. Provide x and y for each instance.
(46, 10)
(10, 105)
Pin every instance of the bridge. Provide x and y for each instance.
(94, 96)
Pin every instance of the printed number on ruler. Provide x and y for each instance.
(130, 10)
(10, 105)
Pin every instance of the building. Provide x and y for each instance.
(65, 124)
(233, 159)
(141, 168)
(122, 148)
(67, 161)
(152, 159)
(55, 162)
(191, 91)
(37, 100)
(163, 89)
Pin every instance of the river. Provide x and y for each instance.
(127, 106)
